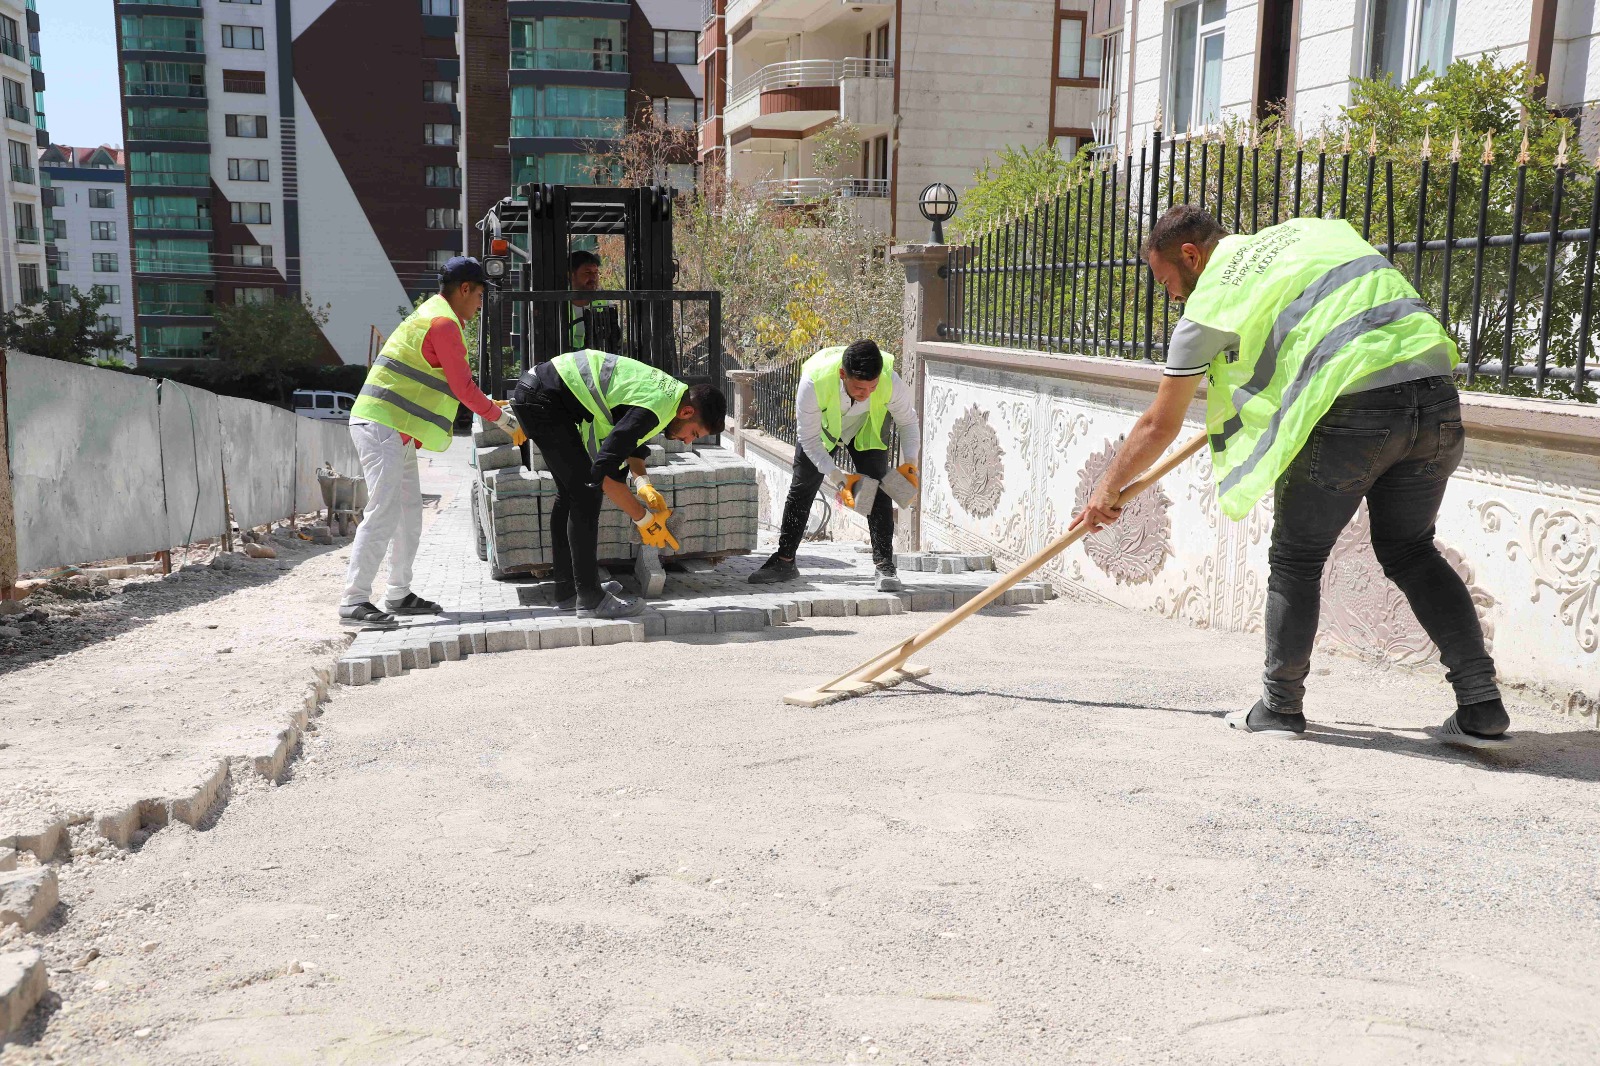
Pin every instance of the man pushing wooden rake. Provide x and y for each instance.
(1330, 382)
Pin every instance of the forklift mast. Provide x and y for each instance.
(541, 220)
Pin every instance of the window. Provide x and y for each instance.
(439, 7)
(442, 133)
(566, 111)
(444, 218)
(11, 39)
(17, 102)
(105, 262)
(876, 43)
(111, 322)
(1407, 37)
(569, 44)
(681, 112)
(172, 212)
(252, 294)
(27, 223)
(257, 3)
(439, 92)
(1196, 65)
(244, 81)
(1079, 59)
(173, 298)
(249, 170)
(21, 156)
(63, 256)
(164, 256)
(245, 125)
(191, 169)
(174, 342)
(560, 168)
(251, 37)
(109, 294)
(102, 231)
(32, 287)
(161, 33)
(438, 257)
(442, 177)
(102, 198)
(677, 46)
(252, 213)
(253, 255)
(149, 78)
(875, 166)
(166, 124)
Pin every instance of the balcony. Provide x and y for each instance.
(22, 175)
(28, 234)
(602, 59)
(169, 88)
(19, 113)
(195, 134)
(801, 190)
(14, 49)
(803, 93)
(188, 45)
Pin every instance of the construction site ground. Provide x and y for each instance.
(1050, 850)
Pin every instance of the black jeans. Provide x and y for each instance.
(575, 518)
(804, 481)
(1397, 447)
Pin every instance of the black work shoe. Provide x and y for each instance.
(775, 570)
(366, 616)
(1268, 723)
(888, 578)
(612, 605)
(413, 604)
(1477, 725)
(570, 603)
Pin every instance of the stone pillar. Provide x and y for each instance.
(744, 401)
(922, 313)
(8, 525)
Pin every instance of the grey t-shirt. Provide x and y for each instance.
(1193, 347)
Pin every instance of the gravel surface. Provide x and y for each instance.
(1052, 851)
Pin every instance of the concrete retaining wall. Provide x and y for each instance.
(1013, 440)
(103, 464)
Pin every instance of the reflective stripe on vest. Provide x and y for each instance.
(597, 391)
(405, 393)
(1316, 310)
(620, 382)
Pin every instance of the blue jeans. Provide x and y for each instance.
(1396, 447)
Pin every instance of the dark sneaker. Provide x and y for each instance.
(775, 570)
(1476, 725)
(888, 578)
(366, 616)
(612, 606)
(570, 603)
(1268, 724)
(413, 604)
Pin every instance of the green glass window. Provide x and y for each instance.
(569, 44)
(169, 168)
(161, 33)
(567, 111)
(561, 168)
(171, 212)
(149, 78)
(171, 257)
(174, 298)
(166, 124)
(175, 342)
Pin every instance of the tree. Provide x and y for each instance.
(1014, 183)
(642, 153)
(277, 343)
(67, 329)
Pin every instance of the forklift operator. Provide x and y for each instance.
(590, 413)
(589, 323)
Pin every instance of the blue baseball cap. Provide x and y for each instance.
(461, 268)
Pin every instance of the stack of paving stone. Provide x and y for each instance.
(711, 490)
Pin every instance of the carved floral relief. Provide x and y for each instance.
(972, 463)
(1134, 548)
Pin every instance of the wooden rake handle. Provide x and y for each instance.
(897, 654)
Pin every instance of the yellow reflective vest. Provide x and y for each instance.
(403, 391)
(823, 370)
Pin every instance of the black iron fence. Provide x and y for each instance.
(773, 410)
(1504, 251)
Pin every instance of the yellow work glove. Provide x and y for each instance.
(909, 472)
(650, 496)
(511, 427)
(847, 490)
(502, 404)
(653, 530)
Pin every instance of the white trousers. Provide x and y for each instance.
(393, 518)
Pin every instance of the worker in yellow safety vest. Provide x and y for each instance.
(845, 396)
(590, 413)
(409, 401)
(1330, 382)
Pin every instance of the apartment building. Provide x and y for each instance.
(88, 235)
(930, 89)
(24, 268)
(1200, 61)
(287, 148)
(551, 83)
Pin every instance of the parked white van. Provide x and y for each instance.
(323, 404)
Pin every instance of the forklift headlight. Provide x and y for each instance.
(494, 267)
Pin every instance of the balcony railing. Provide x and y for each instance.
(28, 234)
(188, 45)
(797, 190)
(807, 73)
(19, 112)
(192, 308)
(167, 88)
(597, 128)
(172, 222)
(33, 294)
(23, 174)
(167, 133)
(614, 62)
(14, 49)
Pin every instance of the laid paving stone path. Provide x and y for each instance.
(483, 615)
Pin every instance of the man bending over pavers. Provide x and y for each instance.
(1334, 385)
(409, 401)
(845, 395)
(590, 413)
